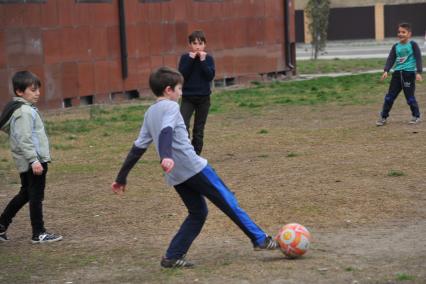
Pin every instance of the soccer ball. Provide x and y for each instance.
(294, 240)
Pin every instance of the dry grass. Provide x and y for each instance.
(325, 166)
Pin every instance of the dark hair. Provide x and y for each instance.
(197, 35)
(406, 26)
(24, 79)
(163, 77)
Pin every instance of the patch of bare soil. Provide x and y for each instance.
(327, 167)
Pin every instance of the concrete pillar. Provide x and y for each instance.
(379, 18)
(308, 37)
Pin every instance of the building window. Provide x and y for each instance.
(126, 95)
(86, 100)
(21, 1)
(67, 102)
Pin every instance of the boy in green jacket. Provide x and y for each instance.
(30, 149)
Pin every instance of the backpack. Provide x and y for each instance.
(8, 110)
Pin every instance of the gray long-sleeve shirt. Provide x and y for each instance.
(163, 114)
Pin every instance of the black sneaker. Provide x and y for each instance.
(268, 244)
(176, 263)
(3, 236)
(381, 121)
(46, 238)
(414, 120)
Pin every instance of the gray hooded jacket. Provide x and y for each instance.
(27, 136)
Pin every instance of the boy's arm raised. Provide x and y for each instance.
(185, 65)
(208, 67)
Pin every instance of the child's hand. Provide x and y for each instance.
(37, 168)
(384, 76)
(118, 188)
(419, 77)
(192, 54)
(167, 164)
(202, 55)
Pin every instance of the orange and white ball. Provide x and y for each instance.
(294, 240)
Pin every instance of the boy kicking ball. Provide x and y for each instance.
(191, 176)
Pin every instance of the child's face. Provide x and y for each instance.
(31, 94)
(197, 45)
(174, 94)
(403, 34)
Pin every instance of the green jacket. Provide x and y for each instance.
(27, 136)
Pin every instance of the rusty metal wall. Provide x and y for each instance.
(75, 48)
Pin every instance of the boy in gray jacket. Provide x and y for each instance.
(30, 149)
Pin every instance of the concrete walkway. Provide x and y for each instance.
(349, 49)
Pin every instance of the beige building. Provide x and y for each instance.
(365, 19)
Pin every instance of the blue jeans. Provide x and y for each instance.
(406, 81)
(192, 192)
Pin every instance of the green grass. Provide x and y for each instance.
(62, 147)
(72, 137)
(340, 65)
(404, 277)
(4, 141)
(356, 89)
(90, 137)
(120, 119)
(60, 261)
(394, 173)
(292, 154)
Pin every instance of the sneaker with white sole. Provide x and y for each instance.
(414, 120)
(46, 238)
(381, 121)
(3, 236)
(176, 263)
(268, 244)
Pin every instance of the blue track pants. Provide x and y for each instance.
(192, 191)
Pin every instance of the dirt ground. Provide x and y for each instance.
(358, 188)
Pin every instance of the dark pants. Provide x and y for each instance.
(406, 81)
(32, 191)
(192, 192)
(200, 105)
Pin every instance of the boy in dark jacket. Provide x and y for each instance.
(198, 70)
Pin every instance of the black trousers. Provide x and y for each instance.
(405, 81)
(200, 105)
(32, 191)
